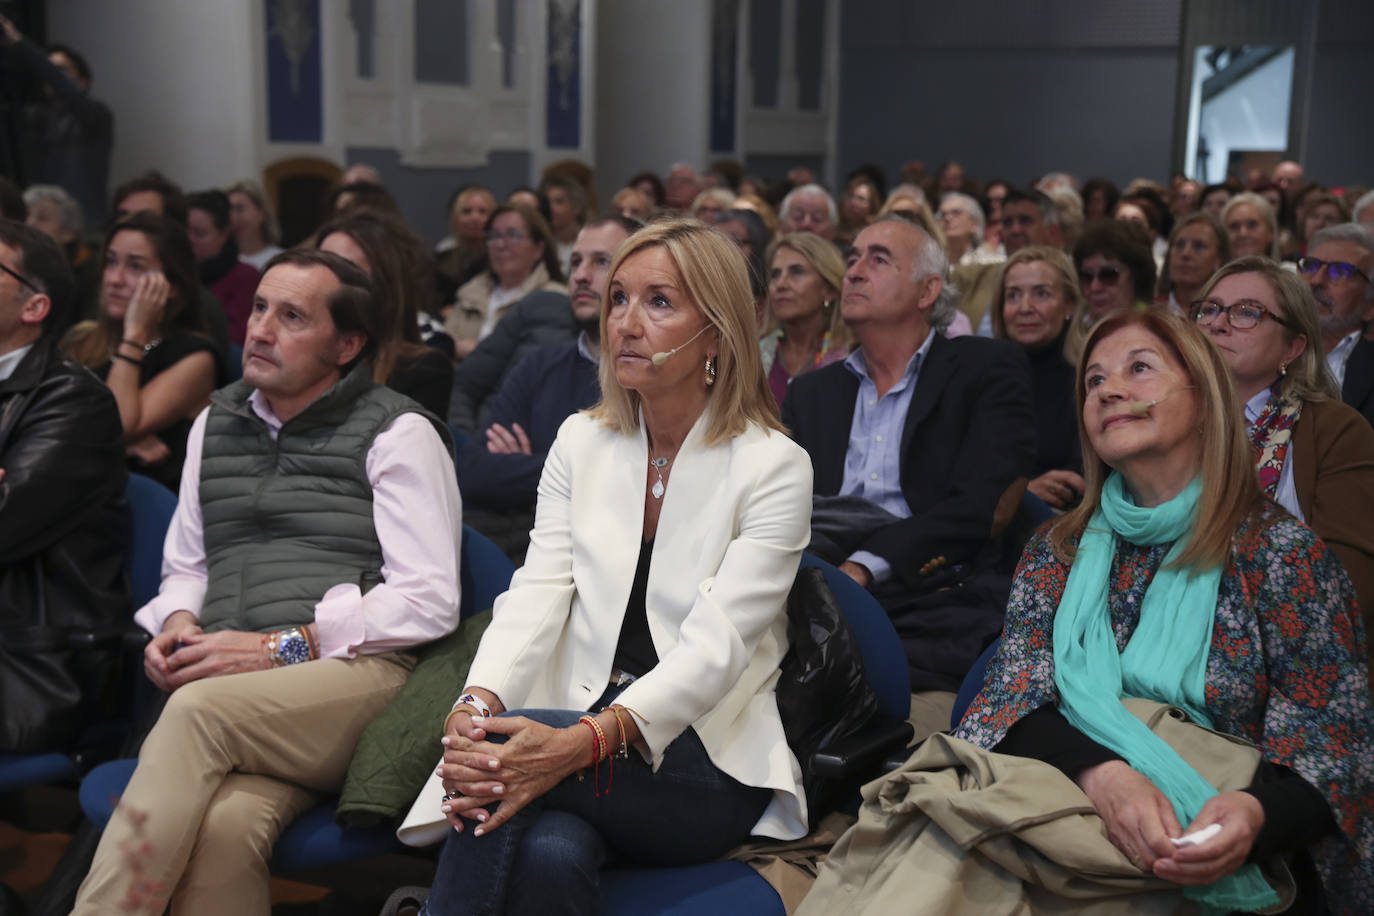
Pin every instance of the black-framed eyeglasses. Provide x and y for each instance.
(20, 277)
(1336, 271)
(1242, 314)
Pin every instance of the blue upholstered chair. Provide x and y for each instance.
(234, 371)
(973, 682)
(724, 888)
(314, 840)
(151, 506)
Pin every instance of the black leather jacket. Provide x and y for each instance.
(64, 524)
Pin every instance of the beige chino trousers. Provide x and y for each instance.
(230, 763)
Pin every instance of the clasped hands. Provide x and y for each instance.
(1140, 820)
(183, 652)
(478, 774)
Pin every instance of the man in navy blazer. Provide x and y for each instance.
(932, 439)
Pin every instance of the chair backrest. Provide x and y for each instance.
(151, 506)
(485, 573)
(234, 371)
(299, 188)
(885, 662)
(973, 682)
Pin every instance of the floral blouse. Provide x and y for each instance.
(1286, 671)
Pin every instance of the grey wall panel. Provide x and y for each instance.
(1340, 139)
(1013, 112)
(1002, 23)
(423, 193)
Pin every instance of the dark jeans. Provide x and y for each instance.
(546, 859)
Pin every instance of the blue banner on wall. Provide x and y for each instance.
(563, 99)
(295, 107)
(724, 55)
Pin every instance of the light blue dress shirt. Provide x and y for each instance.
(873, 460)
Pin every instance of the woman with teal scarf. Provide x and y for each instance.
(1175, 580)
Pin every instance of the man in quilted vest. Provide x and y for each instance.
(314, 544)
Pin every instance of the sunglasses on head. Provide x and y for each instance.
(1104, 275)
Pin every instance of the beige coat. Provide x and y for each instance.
(464, 319)
(960, 830)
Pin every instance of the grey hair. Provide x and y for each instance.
(808, 190)
(906, 189)
(68, 208)
(1355, 234)
(1366, 200)
(975, 210)
(931, 261)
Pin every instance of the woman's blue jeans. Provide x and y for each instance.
(547, 858)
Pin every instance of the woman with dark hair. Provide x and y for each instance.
(1197, 247)
(1146, 206)
(348, 197)
(521, 258)
(400, 268)
(1179, 696)
(149, 342)
(1100, 196)
(751, 234)
(232, 281)
(1115, 270)
(650, 184)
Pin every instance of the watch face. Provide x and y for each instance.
(294, 649)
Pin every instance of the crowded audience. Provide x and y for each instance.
(1131, 515)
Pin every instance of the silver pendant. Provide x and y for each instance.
(657, 489)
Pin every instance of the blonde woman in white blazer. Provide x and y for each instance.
(670, 524)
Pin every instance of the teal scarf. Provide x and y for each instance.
(1165, 660)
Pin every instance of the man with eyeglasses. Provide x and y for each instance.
(1337, 268)
(62, 508)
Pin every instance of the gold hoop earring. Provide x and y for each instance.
(710, 371)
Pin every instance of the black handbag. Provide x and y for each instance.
(823, 694)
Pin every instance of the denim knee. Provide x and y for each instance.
(557, 868)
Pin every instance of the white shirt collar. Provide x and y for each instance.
(11, 360)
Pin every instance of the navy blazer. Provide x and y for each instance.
(968, 441)
(1358, 390)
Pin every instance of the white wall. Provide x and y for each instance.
(653, 87)
(1251, 114)
(179, 78)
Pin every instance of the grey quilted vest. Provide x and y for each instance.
(285, 521)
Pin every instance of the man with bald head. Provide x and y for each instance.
(922, 446)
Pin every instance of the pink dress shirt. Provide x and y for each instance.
(418, 514)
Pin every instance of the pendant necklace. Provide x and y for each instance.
(658, 464)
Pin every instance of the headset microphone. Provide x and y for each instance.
(660, 358)
(1142, 408)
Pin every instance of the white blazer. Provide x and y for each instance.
(734, 521)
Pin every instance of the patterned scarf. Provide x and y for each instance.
(1271, 434)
